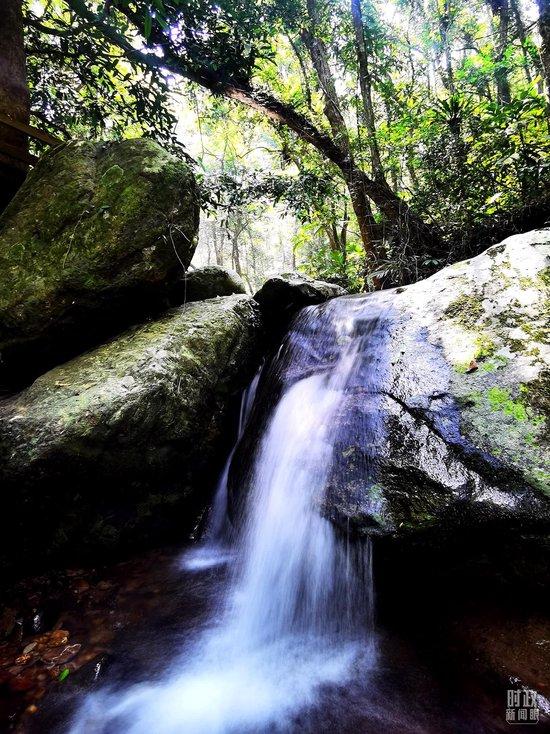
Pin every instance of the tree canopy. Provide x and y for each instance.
(415, 131)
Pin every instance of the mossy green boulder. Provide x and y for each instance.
(122, 444)
(89, 244)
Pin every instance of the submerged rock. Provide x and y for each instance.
(464, 396)
(116, 446)
(88, 246)
(282, 296)
(206, 282)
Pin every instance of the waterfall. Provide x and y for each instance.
(213, 549)
(297, 615)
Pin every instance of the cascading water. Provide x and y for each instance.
(213, 549)
(297, 614)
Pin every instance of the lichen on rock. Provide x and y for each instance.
(91, 240)
(465, 402)
(114, 446)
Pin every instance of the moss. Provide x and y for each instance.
(536, 395)
(516, 346)
(544, 277)
(485, 346)
(497, 363)
(112, 176)
(499, 273)
(541, 479)
(536, 333)
(500, 399)
(466, 310)
(462, 367)
(93, 222)
(496, 250)
(509, 425)
(526, 282)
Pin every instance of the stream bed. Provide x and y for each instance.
(131, 620)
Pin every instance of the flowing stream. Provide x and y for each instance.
(296, 615)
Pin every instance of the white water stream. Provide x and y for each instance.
(297, 615)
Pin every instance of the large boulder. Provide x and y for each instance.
(88, 246)
(464, 394)
(118, 446)
(282, 296)
(206, 282)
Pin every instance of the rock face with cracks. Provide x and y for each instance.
(442, 440)
(465, 404)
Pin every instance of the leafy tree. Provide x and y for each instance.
(411, 131)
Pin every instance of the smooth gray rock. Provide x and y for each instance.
(284, 295)
(206, 282)
(465, 403)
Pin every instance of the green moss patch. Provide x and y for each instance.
(500, 399)
(466, 310)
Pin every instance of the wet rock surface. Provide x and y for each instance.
(282, 296)
(463, 390)
(122, 445)
(88, 246)
(441, 450)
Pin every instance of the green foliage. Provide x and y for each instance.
(81, 85)
(345, 269)
(470, 160)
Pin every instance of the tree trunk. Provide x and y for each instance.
(14, 101)
(359, 199)
(235, 256)
(501, 11)
(544, 30)
(218, 241)
(319, 58)
(235, 235)
(367, 226)
(445, 22)
(520, 31)
(365, 86)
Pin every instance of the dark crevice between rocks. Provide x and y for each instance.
(78, 331)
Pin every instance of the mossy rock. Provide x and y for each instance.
(89, 243)
(122, 444)
(206, 282)
(464, 393)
